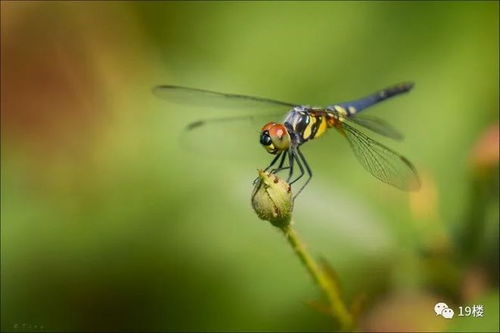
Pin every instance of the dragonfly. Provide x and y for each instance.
(303, 123)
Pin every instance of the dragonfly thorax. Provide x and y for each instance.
(274, 138)
(306, 123)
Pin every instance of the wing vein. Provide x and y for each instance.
(382, 162)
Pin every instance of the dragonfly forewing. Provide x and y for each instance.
(212, 99)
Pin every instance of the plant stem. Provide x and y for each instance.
(337, 307)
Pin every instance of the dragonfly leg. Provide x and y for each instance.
(282, 162)
(297, 157)
(308, 169)
(273, 162)
(291, 161)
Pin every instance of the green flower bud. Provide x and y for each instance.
(272, 199)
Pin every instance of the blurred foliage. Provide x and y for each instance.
(109, 224)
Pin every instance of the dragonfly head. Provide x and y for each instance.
(275, 138)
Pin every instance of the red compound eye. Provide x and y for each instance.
(268, 126)
(277, 131)
(274, 137)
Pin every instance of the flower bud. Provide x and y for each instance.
(272, 199)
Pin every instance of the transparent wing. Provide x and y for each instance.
(212, 99)
(380, 161)
(233, 136)
(227, 137)
(376, 125)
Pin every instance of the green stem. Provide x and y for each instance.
(329, 287)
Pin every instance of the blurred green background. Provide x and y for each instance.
(109, 224)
